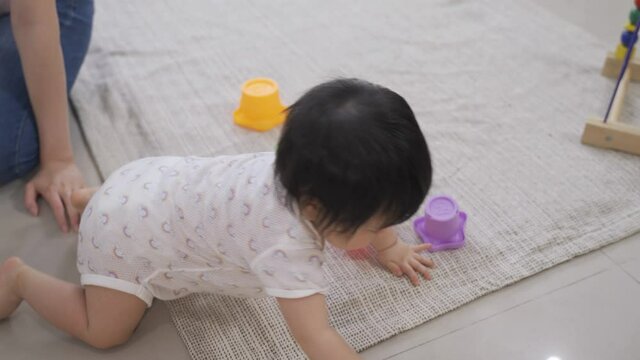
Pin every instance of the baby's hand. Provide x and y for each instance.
(401, 259)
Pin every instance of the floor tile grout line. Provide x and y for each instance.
(628, 274)
(501, 312)
(619, 266)
(609, 257)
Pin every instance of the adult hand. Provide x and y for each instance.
(55, 181)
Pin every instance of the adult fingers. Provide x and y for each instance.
(53, 198)
(411, 274)
(30, 198)
(80, 197)
(71, 210)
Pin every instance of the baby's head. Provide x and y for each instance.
(354, 160)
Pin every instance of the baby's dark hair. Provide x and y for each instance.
(356, 148)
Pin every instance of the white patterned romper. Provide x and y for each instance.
(166, 227)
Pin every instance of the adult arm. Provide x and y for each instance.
(37, 35)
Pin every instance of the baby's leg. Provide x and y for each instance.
(101, 317)
(9, 299)
(81, 197)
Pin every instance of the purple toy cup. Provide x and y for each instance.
(443, 224)
(442, 219)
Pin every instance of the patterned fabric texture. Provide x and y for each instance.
(501, 89)
(165, 227)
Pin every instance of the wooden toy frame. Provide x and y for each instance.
(614, 134)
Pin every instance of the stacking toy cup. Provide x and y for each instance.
(442, 226)
(260, 106)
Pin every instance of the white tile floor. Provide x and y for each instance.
(584, 309)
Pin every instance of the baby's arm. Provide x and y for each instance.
(400, 258)
(308, 321)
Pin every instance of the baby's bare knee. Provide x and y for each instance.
(112, 317)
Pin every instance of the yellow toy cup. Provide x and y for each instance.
(260, 106)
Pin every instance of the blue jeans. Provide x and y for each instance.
(19, 146)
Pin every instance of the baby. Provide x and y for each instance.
(351, 163)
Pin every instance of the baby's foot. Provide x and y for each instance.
(9, 299)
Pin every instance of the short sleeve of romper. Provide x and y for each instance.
(291, 270)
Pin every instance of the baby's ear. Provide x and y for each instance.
(310, 209)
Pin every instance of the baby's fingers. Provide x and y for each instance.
(421, 247)
(411, 274)
(394, 269)
(425, 261)
(421, 269)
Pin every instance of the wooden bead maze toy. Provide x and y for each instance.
(610, 133)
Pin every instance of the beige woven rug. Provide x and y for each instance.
(501, 88)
